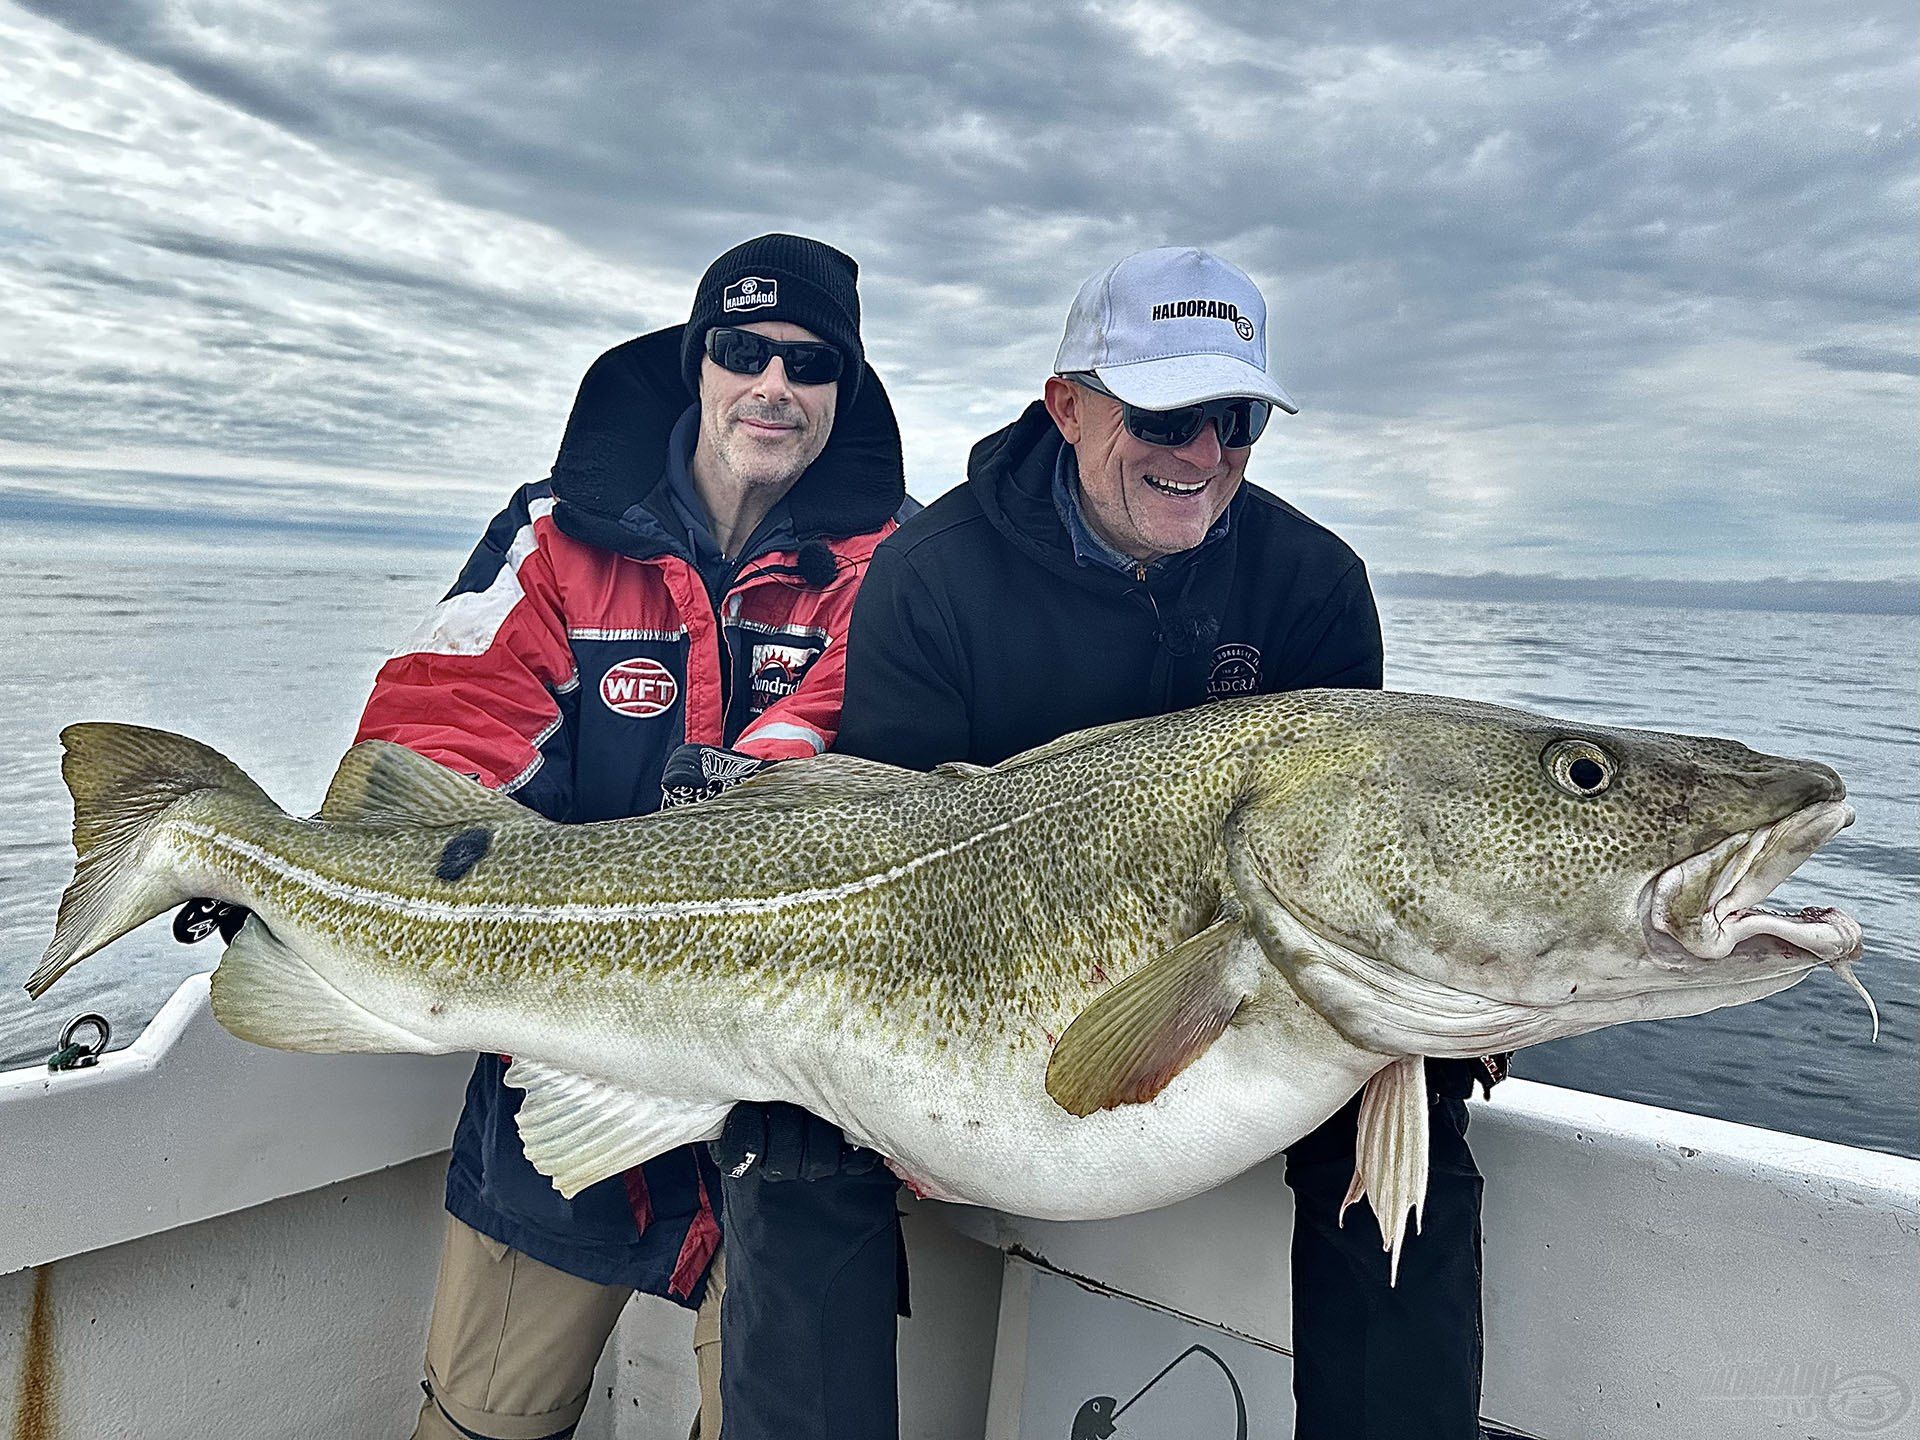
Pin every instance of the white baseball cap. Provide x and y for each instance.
(1171, 327)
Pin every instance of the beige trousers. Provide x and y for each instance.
(512, 1344)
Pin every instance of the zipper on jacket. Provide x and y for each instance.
(727, 609)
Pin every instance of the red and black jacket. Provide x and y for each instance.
(578, 648)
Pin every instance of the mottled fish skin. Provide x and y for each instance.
(901, 953)
(919, 921)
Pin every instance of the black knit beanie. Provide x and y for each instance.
(780, 277)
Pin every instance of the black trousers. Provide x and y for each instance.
(1373, 1361)
(813, 1278)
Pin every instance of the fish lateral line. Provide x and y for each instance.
(494, 912)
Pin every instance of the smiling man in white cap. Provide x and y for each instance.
(1105, 561)
(1156, 347)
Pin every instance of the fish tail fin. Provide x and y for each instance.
(126, 781)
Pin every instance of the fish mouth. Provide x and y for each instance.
(1707, 907)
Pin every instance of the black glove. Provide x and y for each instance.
(200, 918)
(785, 1142)
(700, 772)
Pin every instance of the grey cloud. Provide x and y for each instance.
(1868, 359)
(469, 303)
(1514, 249)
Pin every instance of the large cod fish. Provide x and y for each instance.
(1100, 977)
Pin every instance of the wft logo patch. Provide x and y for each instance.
(1236, 671)
(641, 688)
(777, 671)
(755, 292)
(1206, 310)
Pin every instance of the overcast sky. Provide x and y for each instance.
(1586, 288)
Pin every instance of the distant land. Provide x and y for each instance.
(1842, 597)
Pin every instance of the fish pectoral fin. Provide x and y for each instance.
(265, 992)
(389, 787)
(579, 1131)
(1390, 1153)
(1126, 1047)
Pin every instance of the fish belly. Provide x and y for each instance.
(995, 1137)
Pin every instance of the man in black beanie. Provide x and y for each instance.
(663, 615)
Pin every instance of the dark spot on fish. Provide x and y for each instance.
(463, 852)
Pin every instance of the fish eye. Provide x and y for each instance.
(1579, 767)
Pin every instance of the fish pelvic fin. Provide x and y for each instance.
(578, 1131)
(385, 786)
(1126, 1047)
(125, 781)
(265, 992)
(1390, 1153)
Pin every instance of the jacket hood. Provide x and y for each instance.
(1011, 473)
(607, 477)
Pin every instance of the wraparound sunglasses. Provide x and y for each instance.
(1240, 418)
(807, 362)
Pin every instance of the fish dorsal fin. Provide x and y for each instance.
(815, 780)
(1126, 1047)
(1067, 744)
(387, 786)
(961, 770)
(1390, 1153)
(578, 1131)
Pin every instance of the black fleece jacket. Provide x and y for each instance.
(978, 635)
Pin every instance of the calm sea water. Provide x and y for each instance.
(269, 658)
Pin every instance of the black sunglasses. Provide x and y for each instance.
(1239, 418)
(807, 362)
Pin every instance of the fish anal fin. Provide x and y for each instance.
(387, 786)
(1390, 1153)
(265, 992)
(1127, 1046)
(579, 1131)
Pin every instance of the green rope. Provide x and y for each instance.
(63, 1059)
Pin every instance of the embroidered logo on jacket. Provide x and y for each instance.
(641, 688)
(1236, 671)
(752, 293)
(776, 671)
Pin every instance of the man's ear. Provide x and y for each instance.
(1063, 404)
